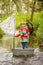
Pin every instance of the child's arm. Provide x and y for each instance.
(17, 34)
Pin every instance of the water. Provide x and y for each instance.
(6, 58)
(6, 42)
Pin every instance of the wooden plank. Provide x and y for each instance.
(20, 51)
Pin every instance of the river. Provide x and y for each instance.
(6, 58)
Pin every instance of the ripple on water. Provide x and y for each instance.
(7, 59)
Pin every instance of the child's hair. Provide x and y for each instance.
(23, 23)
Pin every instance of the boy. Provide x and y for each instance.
(23, 34)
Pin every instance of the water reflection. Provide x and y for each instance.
(1, 44)
(6, 42)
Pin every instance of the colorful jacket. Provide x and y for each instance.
(23, 34)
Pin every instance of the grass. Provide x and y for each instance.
(37, 19)
(21, 17)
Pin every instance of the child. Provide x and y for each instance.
(23, 34)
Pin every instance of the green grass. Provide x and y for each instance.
(21, 17)
(37, 19)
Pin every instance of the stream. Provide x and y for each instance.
(6, 58)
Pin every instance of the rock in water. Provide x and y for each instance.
(36, 51)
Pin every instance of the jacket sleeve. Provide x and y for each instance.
(28, 31)
(17, 34)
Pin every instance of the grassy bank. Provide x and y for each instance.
(20, 17)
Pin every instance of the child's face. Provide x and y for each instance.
(23, 26)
